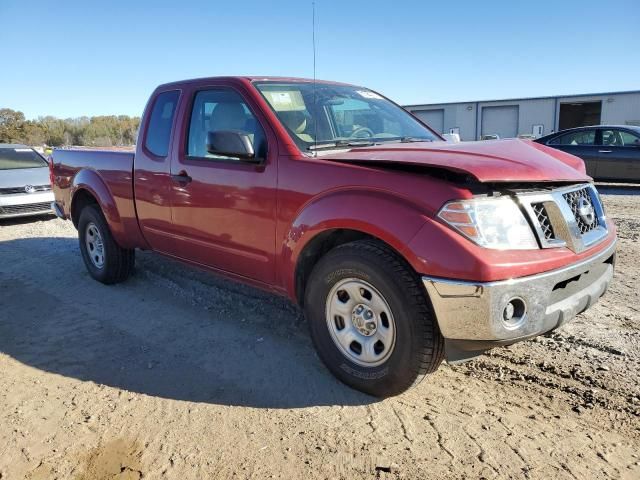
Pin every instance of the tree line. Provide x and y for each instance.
(100, 131)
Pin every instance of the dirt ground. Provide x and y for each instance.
(178, 374)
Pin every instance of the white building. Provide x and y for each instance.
(530, 116)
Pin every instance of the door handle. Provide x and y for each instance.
(181, 178)
(604, 151)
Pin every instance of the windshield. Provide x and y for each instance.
(341, 116)
(13, 158)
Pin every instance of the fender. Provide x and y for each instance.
(89, 180)
(386, 216)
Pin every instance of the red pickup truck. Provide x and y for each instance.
(402, 249)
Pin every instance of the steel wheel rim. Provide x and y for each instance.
(94, 244)
(360, 322)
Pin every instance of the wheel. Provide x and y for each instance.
(370, 319)
(105, 260)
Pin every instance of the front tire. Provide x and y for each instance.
(105, 260)
(371, 320)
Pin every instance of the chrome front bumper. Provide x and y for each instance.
(472, 317)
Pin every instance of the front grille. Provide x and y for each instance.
(543, 220)
(569, 217)
(14, 190)
(574, 199)
(29, 208)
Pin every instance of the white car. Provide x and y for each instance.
(25, 188)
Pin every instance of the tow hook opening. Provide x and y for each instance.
(514, 312)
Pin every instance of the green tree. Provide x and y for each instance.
(99, 131)
(32, 133)
(53, 129)
(11, 122)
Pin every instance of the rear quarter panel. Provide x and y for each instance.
(107, 176)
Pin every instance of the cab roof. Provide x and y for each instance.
(252, 79)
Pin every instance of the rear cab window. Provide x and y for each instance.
(158, 136)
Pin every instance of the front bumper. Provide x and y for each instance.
(22, 205)
(471, 315)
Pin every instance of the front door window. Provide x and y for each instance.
(221, 110)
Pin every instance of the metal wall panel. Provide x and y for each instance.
(433, 118)
(621, 109)
(617, 108)
(462, 116)
(502, 121)
(537, 112)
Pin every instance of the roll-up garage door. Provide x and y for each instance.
(502, 121)
(433, 118)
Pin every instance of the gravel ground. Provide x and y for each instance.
(179, 374)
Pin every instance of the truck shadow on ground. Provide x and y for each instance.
(170, 331)
(26, 220)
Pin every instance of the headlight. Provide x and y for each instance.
(494, 223)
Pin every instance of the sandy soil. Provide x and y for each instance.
(178, 374)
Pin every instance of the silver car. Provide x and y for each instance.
(24, 182)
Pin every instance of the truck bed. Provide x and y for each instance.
(77, 168)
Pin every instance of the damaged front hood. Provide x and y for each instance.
(487, 161)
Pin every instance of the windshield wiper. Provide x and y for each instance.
(414, 139)
(402, 140)
(341, 144)
(364, 142)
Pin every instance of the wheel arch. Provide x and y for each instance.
(88, 188)
(316, 248)
(316, 230)
(81, 198)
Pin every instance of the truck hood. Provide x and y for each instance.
(488, 161)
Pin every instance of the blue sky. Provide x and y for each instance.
(72, 58)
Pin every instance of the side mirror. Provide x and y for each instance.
(231, 143)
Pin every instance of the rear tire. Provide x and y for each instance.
(105, 260)
(392, 340)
